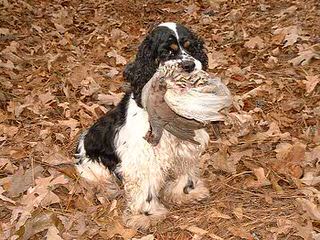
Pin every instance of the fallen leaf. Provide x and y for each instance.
(311, 83)
(238, 212)
(284, 226)
(110, 99)
(242, 233)
(242, 123)
(256, 42)
(305, 232)
(52, 233)
(214, 236)
(290, 159)
(46, 97)
(288, 11)
(119, 59)
(8, 130)
(71, 123)
(7, 166)
(78, 74)
(197, 230)
(292, 34)
(222, 162)
(304, 57)
(261, 179)
(22, 181)
(216, 59)
(148, 237)
(217, 214)
(89, 87)
(236, 156)
(311, 177)
(4, 198)
(40, 221)
(117, 228)
(312, 209)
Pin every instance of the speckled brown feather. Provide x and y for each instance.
(162, 117)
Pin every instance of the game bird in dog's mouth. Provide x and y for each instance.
(182, 102)
(153, 139)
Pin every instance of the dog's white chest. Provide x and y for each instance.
(134, 150)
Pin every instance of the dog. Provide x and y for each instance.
(114, 148)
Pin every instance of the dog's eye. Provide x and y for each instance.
(173, 47)
(186, 44)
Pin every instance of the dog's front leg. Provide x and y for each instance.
(187, 186)
(143, 179)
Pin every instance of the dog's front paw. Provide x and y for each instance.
(143, 220)
(189, 193)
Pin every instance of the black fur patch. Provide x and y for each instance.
(99, 141)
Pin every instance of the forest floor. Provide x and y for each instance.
(61, 66)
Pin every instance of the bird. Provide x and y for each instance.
(161, 116)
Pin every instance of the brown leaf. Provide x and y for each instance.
(117, 228)
(312, 209)
(148, 237)
(242, 123)
(7, 130)
(311, 83)
(305, 56)
(216, 59)
(78, 74)
(236, 156)
(57, 157)
(68, 170)
(197, 230)
(7, 166)
(110, 99)
(89, 87)
(16, 108)
(40, 221)
(21, 181)
(4, 198)
(290, 159)
(284, 226)
(238, 212)
(71, 123)
(52, 233)
(292, 34)
(261, 179)
(217, 214)
(46, 97)
(242, 233)
(222, 162)
(119, 59)
(256, 42)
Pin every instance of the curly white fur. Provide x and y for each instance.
(146, 169)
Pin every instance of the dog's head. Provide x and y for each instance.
(167, 42)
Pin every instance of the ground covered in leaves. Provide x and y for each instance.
(61, 66)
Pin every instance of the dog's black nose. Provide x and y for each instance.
(188, 66)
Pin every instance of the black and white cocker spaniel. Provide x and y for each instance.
(115, 146)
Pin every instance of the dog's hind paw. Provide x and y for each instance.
(190, 193)
(142, 221)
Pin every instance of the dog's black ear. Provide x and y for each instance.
(198, 51)
(139, 72)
